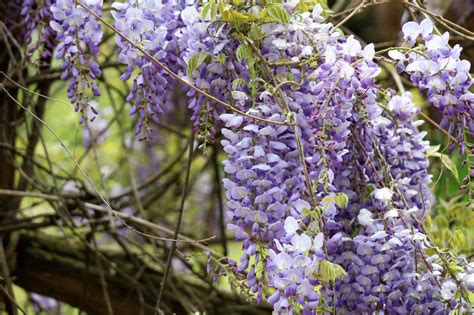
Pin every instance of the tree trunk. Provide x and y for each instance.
(65, 270)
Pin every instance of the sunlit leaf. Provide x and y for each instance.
(196, 60)
(329, 271)
(279, 14)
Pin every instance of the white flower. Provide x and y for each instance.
(369, 52)
(190, 15)
(426, 27)
(436, 83)
(92, 3)
(438, 42)
(412, 30)
(396, 55)
(318, 9)
(318, 241)
(383, 194)
(352, 46)
(239, 96)
(346, 70)
(301, 204)
(419, 236)
(448, 288)
(231, 120)
(280, 44)
(365, 217)
(301, 242)
(391, 214)
(469, 281)
(307, 51)
(330, 55)
(291, 225)
(282, 261)
(428, 67)
(291, 3)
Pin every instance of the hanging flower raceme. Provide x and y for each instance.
(437, 69)
(78, 34)
(351, 144)
(327, 200)
(266, 193)
(202, 44)
(23, 19)
(386, 262)
(155, 26)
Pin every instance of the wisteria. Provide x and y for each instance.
(156, 27)
(342, 134)
(437, 69)
(209, 44)
(78, 34)
(385, 260)
(266, 192)
(327, 180)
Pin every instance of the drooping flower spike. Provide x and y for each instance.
(437, 69)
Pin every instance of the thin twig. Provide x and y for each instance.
(220, 202)
(8, 281)
(135, 220)
(178, 223)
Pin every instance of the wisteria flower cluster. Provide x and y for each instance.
(385, 261)
(155, 26)
(347, 137)
(326, 174)
(78, 34)
(436, 68)
(266, 192)
(201, 40)
(33, 16)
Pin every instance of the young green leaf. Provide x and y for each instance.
(279, 14)
(238, 82)
(244, 52)
(330, 272)
(341, 200)
(206, 9)
(196, 60)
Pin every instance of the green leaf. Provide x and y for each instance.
(455, 268)
(458, 240)
(196, 60)
(441, 221)
(433, 149)
(450, 165)
(238, 82)
(306, 212)
(308, 5)
(371, 188)
(206, 9)
(244, 52)
(327, 199)
(213, 10)
(262, 13)
(445, 159)
(330, 272)
(256, 32)
(221, 58)
(279, 14)
(222, 7)
(341, 200)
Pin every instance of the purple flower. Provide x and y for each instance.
(78, 34)
(437, 69)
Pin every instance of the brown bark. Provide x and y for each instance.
(59, 268)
